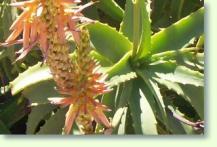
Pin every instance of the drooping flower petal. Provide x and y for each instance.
(6, 44)
(24, 51)
(70, 118)
(14, 35)
(23, 54)
(43, 38)
(33, 34)
(26, 34)
(19, 21)
(100, 117)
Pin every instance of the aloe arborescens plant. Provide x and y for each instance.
(156, 74)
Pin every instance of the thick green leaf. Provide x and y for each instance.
(178, 34)
(117, 80)
(118, 74)
(121, 106)
(171, 86)
(125, 95)
(151, 98)
(186, 56)
(174, 73)
(129, 123)
(122, 126)
(134, 104)
(55, 123)
(142, 114)
(183, 75)
(111, 8)
(153, 87)
(109, 42)
(175, 54)
(145, 41)
(31, 76)
(127, 24)
(196, 96)
(118, 121)
(194, 61)
(169, 121)
(155, 90)
(148, 118)
(40, 92)
(169, 75)
(136, 26)
(113, 98)
(192, 94)
(37, 114)
(117, 117)
(172, 124)
(90, 12)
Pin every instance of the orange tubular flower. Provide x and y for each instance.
(45, 22)
(34, 29)
(88, 83)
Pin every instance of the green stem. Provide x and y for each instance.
(136, 23)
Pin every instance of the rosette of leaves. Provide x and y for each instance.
(156, 70)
